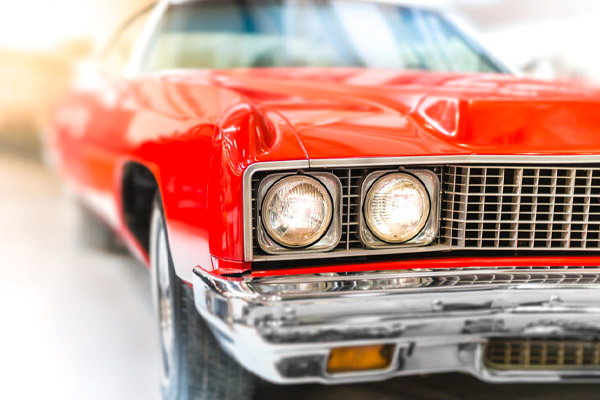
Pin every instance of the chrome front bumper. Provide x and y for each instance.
(283, 328)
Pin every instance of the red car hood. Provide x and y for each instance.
(340, 113)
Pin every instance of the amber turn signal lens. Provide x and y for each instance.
(360, 358)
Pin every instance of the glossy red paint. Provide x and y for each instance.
(236, 268)
(198, 131)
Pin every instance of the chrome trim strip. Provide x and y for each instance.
(436, 160)
(444, 279)
(383, 162)
(270, 330)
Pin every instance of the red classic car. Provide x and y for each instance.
(341, 191)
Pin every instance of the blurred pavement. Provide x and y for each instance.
(78, 324)
(75, 324)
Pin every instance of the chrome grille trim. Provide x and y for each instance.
(370, 162)
(382, 162)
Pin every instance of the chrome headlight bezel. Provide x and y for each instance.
(429, 231)
(323, 224)
(329, 239)
(370, 215)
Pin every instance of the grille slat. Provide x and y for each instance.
(586, 208)
(347, 204)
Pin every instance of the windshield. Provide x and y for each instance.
(224, 34)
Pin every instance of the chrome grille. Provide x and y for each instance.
(493, 207)
(490, 207)
(351, 180)
(539, 353)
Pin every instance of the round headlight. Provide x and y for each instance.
(397, 207)
(297, 211)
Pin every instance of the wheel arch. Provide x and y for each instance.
(138, 189)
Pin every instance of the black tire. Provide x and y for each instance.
(200, 369)
(95, 234)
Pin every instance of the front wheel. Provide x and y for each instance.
(193, 364)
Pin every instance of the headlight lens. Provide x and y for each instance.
(397, 207)
(297, 211)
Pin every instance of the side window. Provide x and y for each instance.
(118, 53)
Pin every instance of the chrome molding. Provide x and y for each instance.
(465, 159)
(428, 279)
(384, 162)
(283, 328)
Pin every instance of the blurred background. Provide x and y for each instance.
(78, 324)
